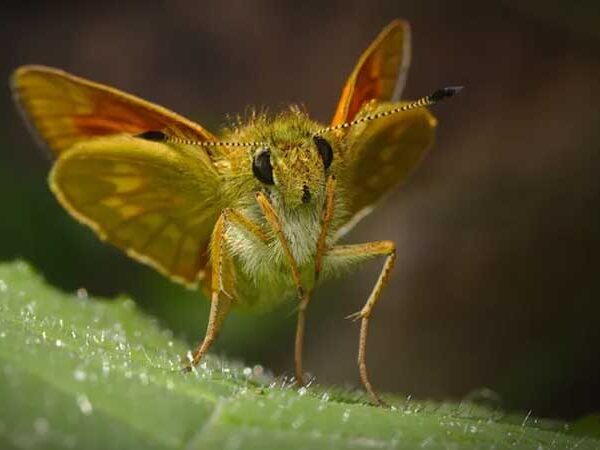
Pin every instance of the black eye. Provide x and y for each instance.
(325, 150)
(262, 168)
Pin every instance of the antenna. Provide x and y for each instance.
(432, 99)
(159, 136)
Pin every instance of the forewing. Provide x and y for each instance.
(63, 109)
(380, 73)
(158, 202)
(381, 154)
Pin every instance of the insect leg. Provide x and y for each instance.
(273, 220)
(301, 322)
(303, 295)
(362, 252)
(221, 300)
(220, 304)
(245, 223)
(326, 220)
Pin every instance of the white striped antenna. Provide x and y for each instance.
(159, 136)
(429, 100)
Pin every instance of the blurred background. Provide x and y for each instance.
(498, 232)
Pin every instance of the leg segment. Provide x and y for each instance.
(327, 215)
(299, 342)
(273, 219)
(222, 271)
(321, 244)
(363, 252)
(303, 296)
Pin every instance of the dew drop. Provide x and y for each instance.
(302, 391)
(3, 286)
(59, 343)
(346, 415)
(41, 426)
(298, 423)
(79, 375)
(84, 404)
(144, 378)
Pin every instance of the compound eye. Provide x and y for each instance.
(261, 166)
(325, 150)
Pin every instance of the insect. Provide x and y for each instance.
(253, 214)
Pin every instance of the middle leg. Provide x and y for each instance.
(321, 249)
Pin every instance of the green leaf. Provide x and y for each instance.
(77, 372)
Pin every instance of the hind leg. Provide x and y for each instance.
(348, 255)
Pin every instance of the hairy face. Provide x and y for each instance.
(289, 161)
(295, 169)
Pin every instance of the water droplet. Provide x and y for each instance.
(3, 286)
(70, 441)
(41, 426)
(144, 378)
(302, 391)
(346, 415)
(82, 293)
(59, 343)
(79, 375)
(2, 334)
(325, 397)
(298, 423)
(85, 406)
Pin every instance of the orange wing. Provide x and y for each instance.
(64, 109)
(380, 73)
(157, 201)
(382, 153)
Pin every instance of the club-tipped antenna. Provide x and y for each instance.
(429, 100)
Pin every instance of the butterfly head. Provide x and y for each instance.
(293, 164)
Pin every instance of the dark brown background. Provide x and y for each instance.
(497, 280)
